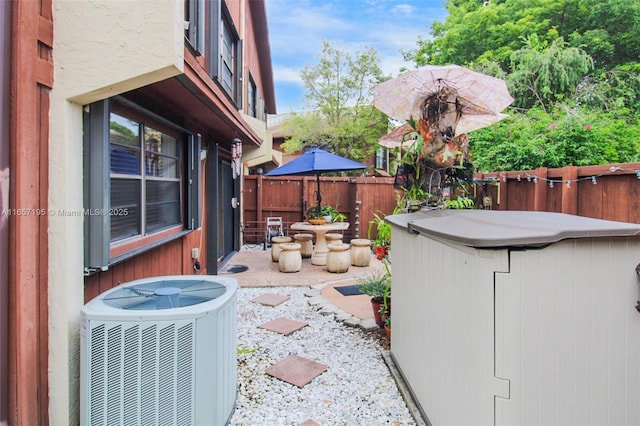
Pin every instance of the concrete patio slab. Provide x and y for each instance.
(283, 325)
(296, 370)
(269, 299)
(357, 305)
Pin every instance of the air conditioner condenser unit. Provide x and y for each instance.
(160, 350)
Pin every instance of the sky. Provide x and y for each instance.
(297, 29)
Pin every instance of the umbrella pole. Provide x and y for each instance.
(318, 196)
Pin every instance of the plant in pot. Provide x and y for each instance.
(387, 327)
(314, 215)
(385, 308)
(382, 240)
(318, 215)
(416, 196)
(378, 286)
(332, 213)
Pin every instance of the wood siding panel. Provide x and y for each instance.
(31, 78)
(91, 287)
(129, 271)
(173, 258)
(42, 289)
(117, 274)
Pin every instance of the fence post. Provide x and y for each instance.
(570, 190)
(503, 193)
(259, 207)
(540, 190)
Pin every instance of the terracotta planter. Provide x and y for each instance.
(387, 330)
(375, 305)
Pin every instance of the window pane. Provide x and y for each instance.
(163, 204)
(227, 79)
(152, 199)
(227, 59)
(125, 160)
(161, 152)
(381, 158)
(124, 145)
(123, 131)
(125, 198)
(253, 95)
(157, 165)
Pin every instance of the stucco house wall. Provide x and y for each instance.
(139, 43)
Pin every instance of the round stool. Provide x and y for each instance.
(333, 238)
(290, 259)
(306, 245)
(338, 259)
(360, 252)
(275, 246)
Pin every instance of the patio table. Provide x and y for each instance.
(320, 250)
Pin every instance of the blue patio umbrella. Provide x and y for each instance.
(314, 162)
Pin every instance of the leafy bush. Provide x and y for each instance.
(566, 136)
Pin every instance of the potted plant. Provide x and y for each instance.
(378, 286)
(382, 240)
(385, 308)
(387, 327)
(314, 215)
(416, 196)
(332, 213)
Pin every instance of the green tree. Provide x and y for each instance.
(339, 92)
(616, 89)
(545, 73)
(620, 20)
(478, 31)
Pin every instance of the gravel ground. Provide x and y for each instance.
(357, 389)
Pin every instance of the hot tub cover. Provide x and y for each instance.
(494, 229)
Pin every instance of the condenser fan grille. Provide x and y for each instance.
(169, 294)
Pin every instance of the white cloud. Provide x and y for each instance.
(287, 75)
(298, 27)
(404, 9)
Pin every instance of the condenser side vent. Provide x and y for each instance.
(141, 373)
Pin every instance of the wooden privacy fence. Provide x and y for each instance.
(289, 197)
(610, 192)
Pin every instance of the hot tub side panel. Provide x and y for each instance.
(442, 326)
(568, 334)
